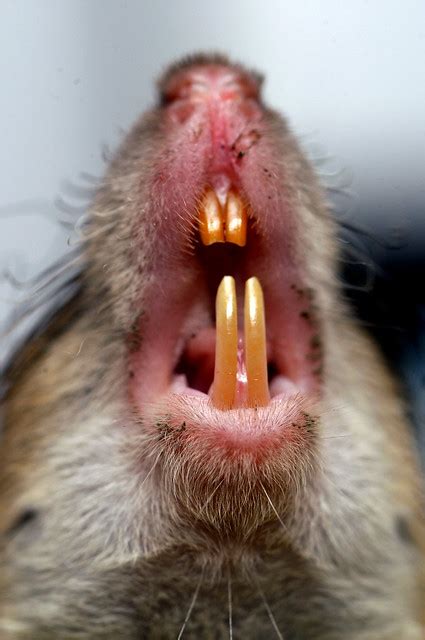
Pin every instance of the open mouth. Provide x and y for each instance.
(231, 344)
(231, 361)
(236, 336)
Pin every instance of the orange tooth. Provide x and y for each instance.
(226, 349)
(255, 345)
(211, 219)
(236, 219)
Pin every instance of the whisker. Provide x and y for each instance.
(75, 355)
(106, 153)
(46, 278)
(59, 295)
(192, 604)
(269, 611)
(77, 190)
(79, 237)
(69, 209)
(88, 177)
(229, 600)
(206, 503)
(274, 508)
(147, 476)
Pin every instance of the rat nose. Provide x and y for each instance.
(204, 82)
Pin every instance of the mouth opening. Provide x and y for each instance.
(235, 327)
(197, 369)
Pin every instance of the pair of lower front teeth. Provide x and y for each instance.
(225, 393)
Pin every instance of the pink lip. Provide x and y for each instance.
(192, 422)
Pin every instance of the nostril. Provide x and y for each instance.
(211, 81)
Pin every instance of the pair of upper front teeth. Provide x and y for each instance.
(227, 223)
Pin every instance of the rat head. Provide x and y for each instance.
(216, 261)
(206, 406)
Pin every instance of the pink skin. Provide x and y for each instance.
(216, 132)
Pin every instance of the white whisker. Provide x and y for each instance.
(274, 508)
(44, 279)
(269, 611)
(149, 473)
(229, 600)
(192, 604)
(75, 355)
(206, 503)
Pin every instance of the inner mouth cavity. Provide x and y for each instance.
(240, 362)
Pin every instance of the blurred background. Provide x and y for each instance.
(349, 76)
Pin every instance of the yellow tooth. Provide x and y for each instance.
(226, 350)
(211, 227)
(236, 219)
(255, 345)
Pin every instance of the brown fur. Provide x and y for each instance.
(101, 539)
